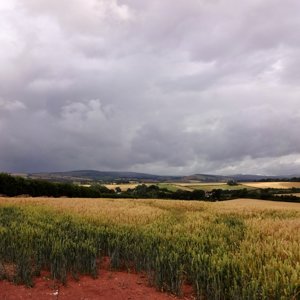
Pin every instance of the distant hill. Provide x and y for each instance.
(92, 175)
(107, 176)
(237, 177)
(249, 177)
(225, 178)
(206, 178)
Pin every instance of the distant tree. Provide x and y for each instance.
(216, 194)
(198, 195)
(118, 189)
(232, 182)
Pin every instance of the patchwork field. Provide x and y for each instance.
(209, 186)
(238, 249)
(222, 186)
(173, 186)
(169, 186)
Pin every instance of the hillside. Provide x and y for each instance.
(105, 176)
(86, 176)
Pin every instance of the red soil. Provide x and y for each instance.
(109, 285)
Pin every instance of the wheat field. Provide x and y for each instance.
(237, 249)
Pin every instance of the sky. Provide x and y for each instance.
(164, 87)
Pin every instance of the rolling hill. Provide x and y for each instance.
(109, 176)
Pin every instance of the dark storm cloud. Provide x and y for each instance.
(170, 87)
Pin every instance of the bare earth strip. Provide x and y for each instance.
(113, 285)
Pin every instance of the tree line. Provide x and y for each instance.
(15, 186)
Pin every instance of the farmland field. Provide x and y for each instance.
(173, 186)
(169, 186)
(206, 186)
(209, 186)
(274, 185)
(238, 249)
(123, 187)
(222, 186)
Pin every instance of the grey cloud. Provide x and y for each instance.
(154, 86)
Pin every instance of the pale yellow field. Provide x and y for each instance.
(275, 185)
(123, 187)
(112, 210)
(126, 186)
(145, 211)
(250, 204)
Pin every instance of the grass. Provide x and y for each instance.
(238, 249)
(173, 187)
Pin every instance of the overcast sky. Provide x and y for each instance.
(160, 86)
